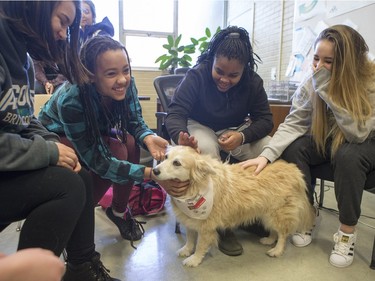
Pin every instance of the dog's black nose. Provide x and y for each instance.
(156, 171)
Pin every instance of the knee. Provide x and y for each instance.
(210, 149)
(118, 149)
(345, 157)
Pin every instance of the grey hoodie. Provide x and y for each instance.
(24, 143)
(298, 122)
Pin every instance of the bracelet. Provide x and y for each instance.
(151, 174)
(243, 138)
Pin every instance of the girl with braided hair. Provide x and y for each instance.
(103, 122)
(209, 106)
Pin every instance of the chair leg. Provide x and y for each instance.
(372, 265)
(321, 195)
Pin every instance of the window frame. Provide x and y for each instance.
(123, 33)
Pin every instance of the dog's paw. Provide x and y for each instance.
(192, 261)
(267, 240)
(184, 252)
(275, 252)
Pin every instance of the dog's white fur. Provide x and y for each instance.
(277, 196)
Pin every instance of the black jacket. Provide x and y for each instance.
(198, 98)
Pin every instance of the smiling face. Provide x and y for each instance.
(324, 54)
(62, 17)
(112, 74)
(226, 73)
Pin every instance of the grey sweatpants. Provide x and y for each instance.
(351, 164)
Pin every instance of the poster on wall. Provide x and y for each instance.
(306, 9)
(336, 8)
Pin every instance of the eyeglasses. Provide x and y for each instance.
(86, 11)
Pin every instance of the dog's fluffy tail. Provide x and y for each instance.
(307, 212)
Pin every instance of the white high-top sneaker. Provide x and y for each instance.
(342, 254)
(303, 239)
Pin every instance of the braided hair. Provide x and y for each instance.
(120, 110)
(233, 43)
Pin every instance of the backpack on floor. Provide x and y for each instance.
(147, 198)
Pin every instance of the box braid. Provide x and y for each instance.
(232, 43)
(89, 53)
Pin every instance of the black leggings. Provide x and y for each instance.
(351, 164)
(57, 206)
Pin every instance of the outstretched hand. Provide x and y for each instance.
(156, 146)
(187, 140)
(260, 162)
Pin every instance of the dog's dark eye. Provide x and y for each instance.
(176, 163)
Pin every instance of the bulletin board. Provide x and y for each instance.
(312, 16)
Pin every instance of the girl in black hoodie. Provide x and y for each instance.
(41, 180)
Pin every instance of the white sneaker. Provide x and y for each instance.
(304, 239)
(342, 254)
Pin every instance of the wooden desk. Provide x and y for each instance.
(279, 111)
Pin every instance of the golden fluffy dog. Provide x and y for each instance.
(225, 196)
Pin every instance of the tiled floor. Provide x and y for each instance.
(155, 258)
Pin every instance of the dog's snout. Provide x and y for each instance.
(156, 171)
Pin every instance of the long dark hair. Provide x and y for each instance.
(120, 111)
(233, 43)
(32, 21)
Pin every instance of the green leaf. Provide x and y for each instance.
(208, 32)
(186, 58)
(180, 49)
(166, 46)
(170, 40)
(178, 39)
(194, 41)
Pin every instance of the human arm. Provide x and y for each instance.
(258, 108)
(180, 108)
(71, 115)
(353, 130)
(41, 77)
(32, 264)
(296, 124)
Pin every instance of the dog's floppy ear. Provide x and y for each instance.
(201, 170)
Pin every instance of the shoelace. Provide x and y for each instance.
(101, 271)
(341, 247)
(136, 224)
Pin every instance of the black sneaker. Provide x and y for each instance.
(93, 270)
(130, 228)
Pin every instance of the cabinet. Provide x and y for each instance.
(279, 112)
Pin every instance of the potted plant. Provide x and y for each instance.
(179, 56)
